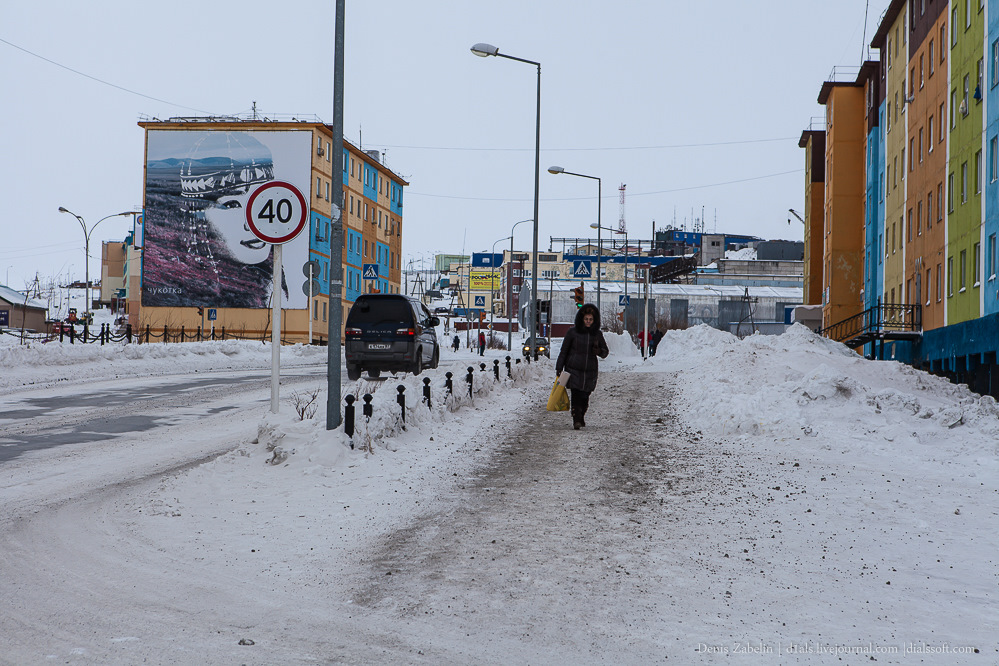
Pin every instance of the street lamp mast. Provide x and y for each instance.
(86, 250)
(484, 50)
(509, 289)
(558, 170)
(492, 284)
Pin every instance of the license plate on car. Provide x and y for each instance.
(378, 345)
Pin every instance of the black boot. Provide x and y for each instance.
(577, 419)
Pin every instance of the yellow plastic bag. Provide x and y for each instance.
(558, 401)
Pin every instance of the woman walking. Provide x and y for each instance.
(582, 344)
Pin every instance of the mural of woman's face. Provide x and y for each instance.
(228, 216)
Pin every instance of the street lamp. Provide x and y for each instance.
(492, 286)
(509, 289)
(557, 170)
(484, 50)
(86, 249)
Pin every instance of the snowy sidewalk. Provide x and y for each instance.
(774, 500)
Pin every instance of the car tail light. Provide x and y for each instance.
(406, 331)
(352, 331)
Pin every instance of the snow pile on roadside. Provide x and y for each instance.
(621, 346)
(285, 440)
(43, 363)
(801, 385)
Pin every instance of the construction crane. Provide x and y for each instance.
(800, 219)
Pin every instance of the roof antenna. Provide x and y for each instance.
(865, 45)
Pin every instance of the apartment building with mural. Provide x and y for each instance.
(931, 197)
(197, 251)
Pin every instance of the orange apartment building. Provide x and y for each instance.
(843, 206)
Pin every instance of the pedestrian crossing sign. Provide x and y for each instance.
(582, 268)
(370, 271)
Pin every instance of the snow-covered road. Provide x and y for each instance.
(773, 500)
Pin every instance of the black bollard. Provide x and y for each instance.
(103, 329)
(496, 369)
(348, 418)
(182, 334)
(426, 391)
(128, 332)
(448, 384)
(367, 409)
(72, 335)
(468, 378)
(401, 399)
(482, 367)
(86, 330)
(508, 370)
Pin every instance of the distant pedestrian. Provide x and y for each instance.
(582, 344)
(456, 342)
(482, 343)
(654, 344)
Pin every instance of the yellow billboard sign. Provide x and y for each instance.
(485, 280)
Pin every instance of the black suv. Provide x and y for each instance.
(390, 332)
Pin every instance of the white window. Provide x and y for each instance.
(977, 264)
(978, 172)
(962, 276)
(995, 63)
(992, 257)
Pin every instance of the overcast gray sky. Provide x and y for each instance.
(691, 104)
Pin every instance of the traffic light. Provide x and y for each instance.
(201, 311)
(482, 316)
(577, 295)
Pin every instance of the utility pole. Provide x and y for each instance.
(334, 351)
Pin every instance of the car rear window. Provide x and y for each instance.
(374, 311)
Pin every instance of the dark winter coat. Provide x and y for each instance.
(580, 349)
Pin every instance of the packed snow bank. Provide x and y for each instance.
(305, 445)
(44, 363)
(621, 347)
(801, 385)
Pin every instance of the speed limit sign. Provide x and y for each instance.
(276, 212)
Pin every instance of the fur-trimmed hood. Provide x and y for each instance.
(588, 308)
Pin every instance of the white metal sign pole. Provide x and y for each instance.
(276, 213)
(645, 343)
(276, 331)
(310, 306)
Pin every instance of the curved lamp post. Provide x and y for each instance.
(492, 286)
(483, 50)
(557, 170)
(86, 247)
(509, 289)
